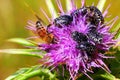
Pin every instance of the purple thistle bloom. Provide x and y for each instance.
(81, 37)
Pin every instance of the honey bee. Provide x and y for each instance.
(41, 30)
(43, 33)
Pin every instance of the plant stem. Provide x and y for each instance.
(39, 72)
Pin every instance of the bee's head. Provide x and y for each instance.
(38, 24)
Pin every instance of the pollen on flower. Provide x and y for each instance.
(79, 37)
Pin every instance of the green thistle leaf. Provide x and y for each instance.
(22, 41)
(108, 76)
(28, 52)
(26, 73)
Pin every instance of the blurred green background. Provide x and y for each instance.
(13, 19)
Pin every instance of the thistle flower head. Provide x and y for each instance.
(80, 37)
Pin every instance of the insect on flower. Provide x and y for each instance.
(63, 20)
(43, 33)
(87, 47)
(94, 16)
(95, 37)
(92, 13)
(79, 37)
